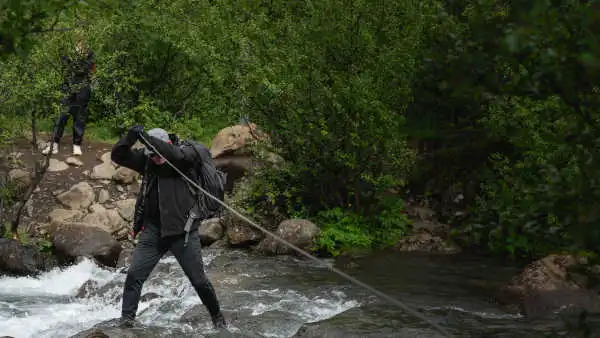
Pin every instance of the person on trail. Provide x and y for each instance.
(77, 91)
(167, 203)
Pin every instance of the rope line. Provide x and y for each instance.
(302, 252)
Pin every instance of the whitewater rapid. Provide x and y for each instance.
(48, 306)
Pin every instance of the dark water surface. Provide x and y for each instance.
(280, 297)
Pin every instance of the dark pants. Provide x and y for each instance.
(76, 106)
(151, 247)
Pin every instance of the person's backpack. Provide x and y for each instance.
(211, 179)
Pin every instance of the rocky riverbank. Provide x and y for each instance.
(84, 208)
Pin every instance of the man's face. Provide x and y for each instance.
(157, 159)
(79, 47)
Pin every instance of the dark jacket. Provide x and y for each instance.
(77, 71)
(175, 198)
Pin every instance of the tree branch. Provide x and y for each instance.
(39, 175)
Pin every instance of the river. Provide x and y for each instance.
(277, 297)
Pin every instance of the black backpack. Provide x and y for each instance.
(204, 174)
(211, 179)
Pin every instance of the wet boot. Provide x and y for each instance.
(126, 323)
(219, 321)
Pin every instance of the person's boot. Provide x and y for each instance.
(77, 150)
(126, 323)
(54, 149)
(219, 321)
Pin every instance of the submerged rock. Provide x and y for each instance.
(547, 286)
(111, 329)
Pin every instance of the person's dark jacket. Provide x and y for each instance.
(77, 71)
(174, 195)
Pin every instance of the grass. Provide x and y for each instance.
(14, 127)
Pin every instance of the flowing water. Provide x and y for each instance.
(275, 297)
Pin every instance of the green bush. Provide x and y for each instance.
(343, 230)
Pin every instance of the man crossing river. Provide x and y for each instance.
(166, 202)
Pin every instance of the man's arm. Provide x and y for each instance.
(182, 157)
(123, 155)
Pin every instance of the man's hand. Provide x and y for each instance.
(136, 130)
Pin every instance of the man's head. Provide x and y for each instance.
(80, 45)
(162, 135)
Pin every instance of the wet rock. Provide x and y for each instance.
(111, 329)
(18, 259)
(220, 244)
(106, 219)
(545, 286)
(198, 314)
(56, 165)
(425, 242)
(61, 215)
(149, 296)
(125, 258)
(195, 314)
(80, 196)
(73, 161)
(125, 176)
(87, 289)
(104, 171)
(80, 240)
(538, 304)
(210, 231)
(126, 208)
(241, 234)
(300, 232)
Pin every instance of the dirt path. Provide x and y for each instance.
(44, 200)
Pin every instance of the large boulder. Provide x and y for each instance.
(18, 259)
(126, 208)
(233, 139)
(80, 196)
(239, 233)
(61, 215)
(104, 171)
(210, 231)
(547, 285)
(299, 232)
(72, 240)
(235, 166)
(232, 152)
(106, 219)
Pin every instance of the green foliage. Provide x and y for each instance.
(344, 230)
(44, 243)
(539, 189)
(494, 100)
